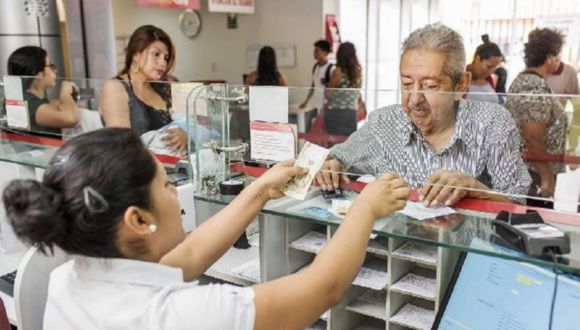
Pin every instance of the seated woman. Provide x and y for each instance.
(47, 117)
(110, 206)
(342, 102)
(140, 96)
(486, 59)
(267, 73)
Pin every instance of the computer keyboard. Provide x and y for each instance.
(7, 283)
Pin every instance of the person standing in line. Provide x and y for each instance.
(486, 59)
(540, 119)
(321, 73)
(267, 73)
(343, 94)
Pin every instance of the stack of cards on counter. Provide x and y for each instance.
(311, 157)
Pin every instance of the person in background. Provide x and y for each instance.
(563, 81)
(541, 119)
(342, 101)
(111, 206)
(500, 82)
(439, 143)
(321, 73)
(267, 73)
(140, 96)
(47, 117)
(486, 59)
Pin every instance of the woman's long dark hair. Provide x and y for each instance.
(87, 187)
(267, 73)
(487, 49)
(347, 61)
(142, 38)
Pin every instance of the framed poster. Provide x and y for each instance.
(231, 6)
(172, 4)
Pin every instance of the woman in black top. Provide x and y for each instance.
(133, 99)
(46, 117)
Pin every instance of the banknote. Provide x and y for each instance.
(311, 157)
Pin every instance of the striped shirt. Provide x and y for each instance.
(484, 145)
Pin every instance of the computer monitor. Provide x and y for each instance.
(494, 293)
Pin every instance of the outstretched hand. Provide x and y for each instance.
(384, 195)
(275, 178)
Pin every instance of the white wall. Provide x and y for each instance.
(219, 53)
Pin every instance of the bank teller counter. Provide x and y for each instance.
(416, 259)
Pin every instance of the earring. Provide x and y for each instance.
(134, 67)
(152, 228)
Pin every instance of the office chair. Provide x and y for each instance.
(31, 286)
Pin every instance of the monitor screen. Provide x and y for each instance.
(495, 293)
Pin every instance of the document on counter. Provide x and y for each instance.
(419, 211)
(273, 142)
(269, 103)
(311, 157)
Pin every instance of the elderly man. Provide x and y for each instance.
(437, 141)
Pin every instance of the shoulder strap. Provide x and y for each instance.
(327, 73)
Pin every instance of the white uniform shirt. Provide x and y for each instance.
(319, 82)
(90, 293)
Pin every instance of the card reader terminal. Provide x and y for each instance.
(530, 234)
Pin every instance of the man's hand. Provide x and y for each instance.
(328, 178)
(547, 186)
(444, 187)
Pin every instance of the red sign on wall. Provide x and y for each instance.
(332, 35)
(173, 4)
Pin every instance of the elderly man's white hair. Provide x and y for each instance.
(442, 39)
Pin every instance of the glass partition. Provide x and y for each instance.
(487, 165)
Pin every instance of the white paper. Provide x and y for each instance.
(372, 279)
(414, 317)
(13, 88)
(419, 211)
(185, 195)
(249, 271)
(311, 242)
(567, 191)
(269, 103)
(17, 114)
(272, 142)
(375, 297)
(417, 252)
(416, 285)
(311, 157)
(341, 206)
